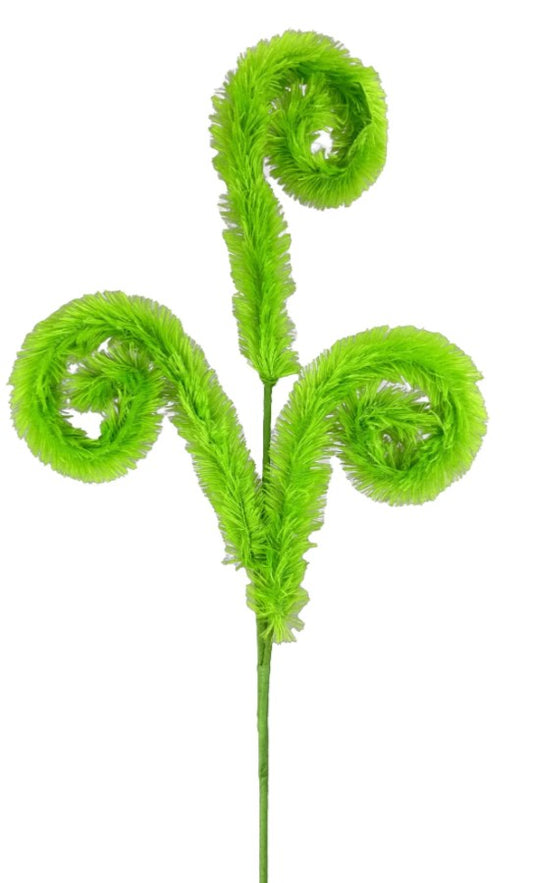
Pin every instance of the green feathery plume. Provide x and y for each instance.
(149, 364)
(400, 407)
(282, 94)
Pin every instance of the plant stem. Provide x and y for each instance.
(264, 652)
(267, 420)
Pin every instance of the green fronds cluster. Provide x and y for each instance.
(401, 409)
(284, 92)
(148, 366)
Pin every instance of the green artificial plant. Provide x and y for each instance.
(399, 406)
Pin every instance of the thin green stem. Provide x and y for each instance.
(267, 420)
(263, 679)
(264, 652)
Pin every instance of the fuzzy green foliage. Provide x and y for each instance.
(400, 407)
(283, 93)
(149, 364)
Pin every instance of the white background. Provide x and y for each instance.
(401, 720)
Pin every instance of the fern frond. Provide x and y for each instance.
(282, 94)
(400, 407)
(150, 364)
(402, 410)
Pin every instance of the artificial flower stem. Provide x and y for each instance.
(267, 420)
(264, 652)
(263, 678)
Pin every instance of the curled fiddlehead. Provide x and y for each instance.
(401, 409)
(148, 366)
(283, 93)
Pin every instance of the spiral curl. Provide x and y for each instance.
(401, 409)
(149, 367)
(283, 92)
